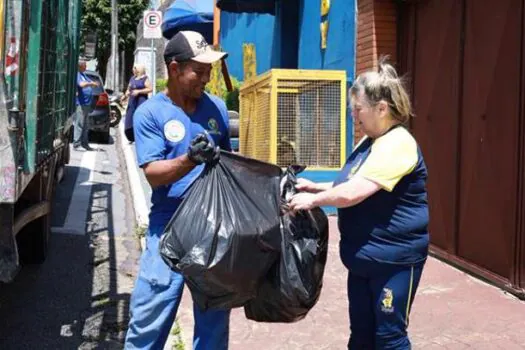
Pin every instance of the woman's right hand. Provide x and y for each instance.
(305, 185)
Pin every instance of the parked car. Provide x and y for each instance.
(99, 118)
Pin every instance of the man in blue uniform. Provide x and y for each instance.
(176, 133)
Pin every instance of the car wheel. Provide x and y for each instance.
(114, 117)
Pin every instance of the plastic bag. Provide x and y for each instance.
(225, 236)
(294, 283)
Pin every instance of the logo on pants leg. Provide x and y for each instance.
(387, 301)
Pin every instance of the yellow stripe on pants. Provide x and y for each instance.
(409, 295)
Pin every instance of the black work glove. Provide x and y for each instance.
(201, 150)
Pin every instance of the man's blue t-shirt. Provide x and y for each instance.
(84, 95)
(164, 131)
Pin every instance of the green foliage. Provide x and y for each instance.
(160, 84)
(96, 18)
(178, 343)
(140, 231)
(230, 97)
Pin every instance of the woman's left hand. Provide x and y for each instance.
(302, 201)
(135, 93)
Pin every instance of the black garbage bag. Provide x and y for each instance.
(225, 235)
(294, 283)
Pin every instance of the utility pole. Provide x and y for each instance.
(114, 46)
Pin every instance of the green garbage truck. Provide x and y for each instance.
(39, 47)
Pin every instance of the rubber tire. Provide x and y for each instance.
(33, 241)
(118, 117)
(66, 153)
(103, 137)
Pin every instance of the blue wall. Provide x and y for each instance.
(291, 38)
(260, 29)
(340, 51)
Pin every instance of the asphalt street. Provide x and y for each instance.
(79, 298)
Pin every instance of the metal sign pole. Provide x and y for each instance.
(152, 30)
(153, 77)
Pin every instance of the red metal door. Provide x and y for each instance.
(489, 134)
(520, 244)
(431, 30)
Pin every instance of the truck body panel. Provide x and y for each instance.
(39, 44)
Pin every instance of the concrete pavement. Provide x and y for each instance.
(79, 297)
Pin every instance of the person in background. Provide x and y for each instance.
(137, 93)
(176, 132)
(382, 212)
(84, 103)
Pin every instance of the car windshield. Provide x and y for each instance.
(100, 88)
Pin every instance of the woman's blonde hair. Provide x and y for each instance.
(384, 85)
(140, 68)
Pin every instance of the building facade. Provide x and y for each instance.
(464, 64)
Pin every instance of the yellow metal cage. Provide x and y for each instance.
(295, 117)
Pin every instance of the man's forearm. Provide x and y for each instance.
(165, 172)
(86, 83)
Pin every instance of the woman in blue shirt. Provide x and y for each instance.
(382, 212)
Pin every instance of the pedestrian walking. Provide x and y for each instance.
(176, 132)
(84, 103)
(382, 212)
(137, 93)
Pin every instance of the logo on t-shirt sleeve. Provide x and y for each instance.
(174, 131)
(213, 127)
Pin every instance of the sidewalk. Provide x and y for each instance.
(452, 310)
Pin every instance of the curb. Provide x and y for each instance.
(139, 201)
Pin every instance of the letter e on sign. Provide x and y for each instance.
(152, 23)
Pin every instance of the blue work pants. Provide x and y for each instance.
(154, 303)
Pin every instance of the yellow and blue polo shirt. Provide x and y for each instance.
(390, 226)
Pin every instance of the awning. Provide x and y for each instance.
(196, 15)
(257, 6)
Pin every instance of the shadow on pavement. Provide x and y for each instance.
(71, 301)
